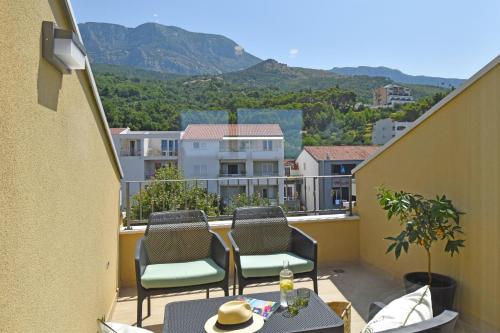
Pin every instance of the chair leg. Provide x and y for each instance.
(208, 292)
(234, 281)
(315, 284)
(139, 310)
(149, 306)
(240, 288)
(226, 290)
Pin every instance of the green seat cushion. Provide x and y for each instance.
(190, 273)
(272, 264)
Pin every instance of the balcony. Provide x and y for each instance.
(351, 282)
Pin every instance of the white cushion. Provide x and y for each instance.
(409, 309)
(122, 328)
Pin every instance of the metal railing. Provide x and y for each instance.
(313, 195)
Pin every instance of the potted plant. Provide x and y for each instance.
(424, 222)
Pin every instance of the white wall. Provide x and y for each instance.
(311, 169)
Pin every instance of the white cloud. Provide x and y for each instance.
(293, 53)
(155, 15)
(238, 50)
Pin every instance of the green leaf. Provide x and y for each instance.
(391, 247)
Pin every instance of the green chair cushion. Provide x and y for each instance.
(190, 273)
(272, 264)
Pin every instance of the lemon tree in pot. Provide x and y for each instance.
(424, 222)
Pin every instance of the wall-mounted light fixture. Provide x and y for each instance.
(62, 48)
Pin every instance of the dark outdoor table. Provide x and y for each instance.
(190, 316)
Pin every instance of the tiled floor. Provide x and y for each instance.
(356, 283)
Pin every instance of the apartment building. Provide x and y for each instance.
(141, 153)
(391, 95)
(386, 129)
(325, 161)
(224, 151)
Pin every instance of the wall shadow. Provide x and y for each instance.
(363, 285)
(49, 81)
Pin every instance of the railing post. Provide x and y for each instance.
(140, 202)
(127, 195)
(218, 196)
(267, 187)
(305, 193)
(314, 194)
(350, 195)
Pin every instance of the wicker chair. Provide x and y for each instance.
(179, 253)
(262, 239)
(443, 323)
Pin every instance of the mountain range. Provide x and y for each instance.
(398, 76)
(163, 48)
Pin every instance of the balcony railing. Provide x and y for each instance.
(313, 195)
(225, 174)
(154, 152)
(127, 152)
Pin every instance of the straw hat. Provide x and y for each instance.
(234, 317)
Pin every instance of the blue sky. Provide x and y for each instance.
(429, 37)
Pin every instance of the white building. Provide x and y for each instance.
(141, 153)
(392, 94)
(222, 152)
(329, 193)
(386, 129)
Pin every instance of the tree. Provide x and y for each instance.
(242, 200)
(167, 191)
(424, 222)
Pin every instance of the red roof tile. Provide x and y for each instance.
(116, 130)
(340, 153)
(218, 132)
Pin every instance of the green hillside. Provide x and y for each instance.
(330, 115)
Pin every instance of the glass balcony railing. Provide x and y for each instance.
(218, 197)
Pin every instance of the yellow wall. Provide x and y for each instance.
(337, 242)
(59, 186)
(456, 151)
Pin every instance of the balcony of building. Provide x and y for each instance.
(234, 168)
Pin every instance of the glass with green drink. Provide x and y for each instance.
(292, 302)
(303, 295)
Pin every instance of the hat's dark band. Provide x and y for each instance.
(227, 327)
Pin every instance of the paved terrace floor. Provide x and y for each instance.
(356, 283)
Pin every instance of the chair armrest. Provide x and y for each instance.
(303, 245)
(444, 323)
(219, 251)
(375, 307)
(236, 249)
(141, 259)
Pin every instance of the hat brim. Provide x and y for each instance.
(256, 325)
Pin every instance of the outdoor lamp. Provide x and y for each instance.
(62, 48)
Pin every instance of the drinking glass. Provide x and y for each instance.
(292, 302)
(303, 295)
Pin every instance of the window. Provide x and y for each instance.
(200, 170)
(199, 145)
(400, 128)
(264, 193)
(244, 145)
(169, 147)
(267, 168)
(339, 194)
(267, 145)
(232, 169)
(132, 148)
(342, 169)
(289, 192)
(304, 165)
